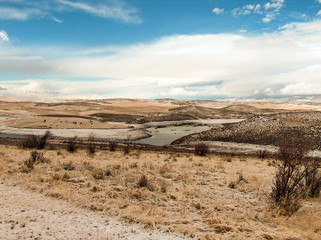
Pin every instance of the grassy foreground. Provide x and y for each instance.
(212, 197)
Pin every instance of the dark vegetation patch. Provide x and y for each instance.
(257, 130)
(181, 113)
(34, 141)
(201, 149)
(108, 117)
(65, 116)
(297, 176)
(74, 103)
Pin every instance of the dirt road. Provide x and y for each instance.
(28, 215)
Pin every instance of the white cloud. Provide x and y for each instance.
(285, 62)
(239, 11)
(271, 9)
(218, 10)
(319, 13)
(179, 91)
(299, 16)
(20, 58)
(57, 20)
(257, 9)
(4, 36)
(9, 13)
(301, 89)
(110, 9)
(249, 7)
(268, 18)
(275, 5)
(105, 11)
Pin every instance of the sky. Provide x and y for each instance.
(182, 49)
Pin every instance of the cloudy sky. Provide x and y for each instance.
(183, 49)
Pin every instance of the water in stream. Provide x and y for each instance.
(166, 135)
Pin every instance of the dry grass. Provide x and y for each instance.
(179, 193)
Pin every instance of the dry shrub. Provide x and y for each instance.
(63, 176)
(312, 177)
(222, 228)
(71, 144)
(88, 166)
(133, 165)
(113, 146)
(91, 147)
(35, 157)
(295, 173)
(262, 154)
(29, 163)
(126, 149)
(38, 142)
(143, 181)
(201, 149)
(108, 173)
(69, 166)
(164, 170)
(98, 174)
(163, 186)
(232, 185)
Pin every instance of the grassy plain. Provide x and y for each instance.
(211, 197)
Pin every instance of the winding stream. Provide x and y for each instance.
(153, 133)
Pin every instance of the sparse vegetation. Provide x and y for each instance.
(262, 153)
(38, 142)
(126, 149)
(69, 166)
(71, 144)
(98, 174)
(312, 176)
(35, 157)
(113, 146)
(143, 181)
(191, 193)
(91, 147)
(201, 149)
(221, 196)
(296, 174)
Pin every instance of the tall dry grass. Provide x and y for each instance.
(179, 193)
